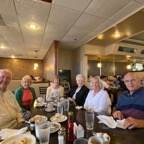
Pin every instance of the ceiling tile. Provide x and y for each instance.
(32, 9)
(24, 24)
(104, 26)
(76, 33)
(125, 12)
(88, 22)
(62, 16)
(7, 7)
(106, 8)
(140, 1)
(79, 5)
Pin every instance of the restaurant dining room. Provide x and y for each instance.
(71, 71)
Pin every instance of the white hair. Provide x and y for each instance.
(80, 76)
(25, 78)
(6, 70)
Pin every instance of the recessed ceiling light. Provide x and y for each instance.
(116, 35)
(101, 36)
(2, 47)
(32, 26)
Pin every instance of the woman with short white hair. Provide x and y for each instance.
(79, 92)
(98, 99)
(25, 96)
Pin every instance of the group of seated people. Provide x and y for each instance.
(15, 109)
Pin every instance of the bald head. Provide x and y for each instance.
(5, 78)
(131, 81)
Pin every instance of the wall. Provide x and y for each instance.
(107, 68)
(21, 67)
(50, 61)
(66, 61)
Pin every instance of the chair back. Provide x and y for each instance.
(42, 91)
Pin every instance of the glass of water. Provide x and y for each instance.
(89, 118)
(60, 108)
(66, 105)
(44, 133)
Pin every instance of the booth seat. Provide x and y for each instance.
(14, 84)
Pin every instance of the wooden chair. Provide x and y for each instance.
(42, 91)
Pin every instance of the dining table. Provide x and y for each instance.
(117, 135)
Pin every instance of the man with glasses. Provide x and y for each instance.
(131, 104)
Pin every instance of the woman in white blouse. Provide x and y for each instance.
(98, 99)
(55, 89)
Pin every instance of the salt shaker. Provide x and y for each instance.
(60, 137)
(63, 130)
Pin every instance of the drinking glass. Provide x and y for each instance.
(89, 118)
(42, 96)
(81, 141)
(44, 133)
(37, 123)
(50, 106)
(66, 105)
(60, 108)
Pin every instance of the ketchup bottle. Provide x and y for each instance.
(70, 127)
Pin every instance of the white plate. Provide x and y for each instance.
(39, 116)
(57, 119)
(48, 110)
(54, 127)
(39, 104)
(19, 138)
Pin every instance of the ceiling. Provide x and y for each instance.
(72, 22)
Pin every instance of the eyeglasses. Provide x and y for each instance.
(130, 81)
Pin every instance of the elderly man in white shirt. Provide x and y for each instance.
(98, 99)
(10, 112)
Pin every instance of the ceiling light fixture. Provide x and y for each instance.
(117, 35)
(2, 47)
(99, 65)
(32, 26)
(12, 56)
(35, 64)
(101, 36)
(129, 67)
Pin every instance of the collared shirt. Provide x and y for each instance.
(132, 105)
(10, 112)
(77, 90)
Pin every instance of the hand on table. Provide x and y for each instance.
(131, 123)
(118, 115)
(20, 125)
(72, 100)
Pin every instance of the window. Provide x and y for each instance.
(126, 49)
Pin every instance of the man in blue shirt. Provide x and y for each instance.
(131, 104)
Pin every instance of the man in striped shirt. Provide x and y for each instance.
(131, 104)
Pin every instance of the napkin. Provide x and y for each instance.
(78, 107)
(110, 122)
(6, 133)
